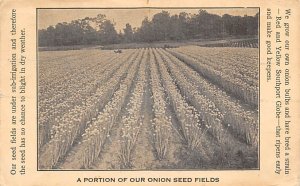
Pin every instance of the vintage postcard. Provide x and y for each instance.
(149, 93)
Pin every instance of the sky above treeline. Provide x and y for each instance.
(48, 17)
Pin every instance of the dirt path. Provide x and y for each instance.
(144, 152)
(109, 157)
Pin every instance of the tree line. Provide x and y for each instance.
(162, 27)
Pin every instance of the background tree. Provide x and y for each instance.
(128, 33)
(108, 33)
(162, 27)
(146, 32)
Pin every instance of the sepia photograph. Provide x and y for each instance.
(148, 88)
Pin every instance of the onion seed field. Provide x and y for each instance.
(182, 108)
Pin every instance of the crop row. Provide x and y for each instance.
(161, 123)
(244, 44)
(245, 57)
(210, 115)
(243, 61)
(237, 87)
(53, 109)
(54, 91)
(90, 78)
(191, 128)
(234, 69)
(53, 56)
(69, 86)
(73, 123)
(233, 116)
(74, 75)
(99, 129)
(133, 120)
(52, 70)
